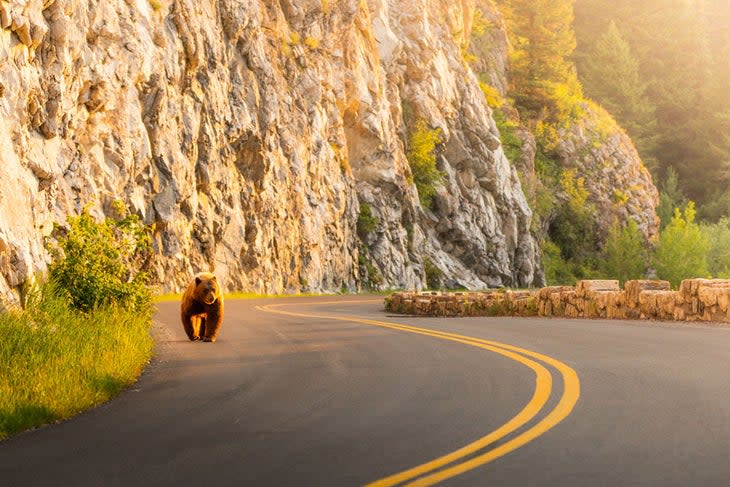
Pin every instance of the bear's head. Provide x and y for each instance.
(206, 288)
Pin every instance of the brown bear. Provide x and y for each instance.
(201, 309)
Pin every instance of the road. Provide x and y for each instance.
(333, 391)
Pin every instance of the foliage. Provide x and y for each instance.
(572, 228)
(56, 361)
(718, 239)
(155, 4)
(624, 255)
(433, 274)
(511, 141)
(100, 263)
(372, 278)
(544, 83)
(670, 197)
(422, 160)
(480, 24)
(557, 270)
(366, 222)
(311, 42)
(683, 248)
(680, 51)
(491, 94)
(610, 74)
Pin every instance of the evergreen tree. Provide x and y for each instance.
(624, 254)
(682, 47)
(544, 83)
(611, 75)
(670, 197)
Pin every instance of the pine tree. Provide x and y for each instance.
(543, 78)
(610, 74)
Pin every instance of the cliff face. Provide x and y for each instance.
(250, 133)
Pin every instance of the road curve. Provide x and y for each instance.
(332, 391)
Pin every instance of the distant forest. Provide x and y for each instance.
(662, 68)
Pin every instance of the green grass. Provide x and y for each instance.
(56, 361)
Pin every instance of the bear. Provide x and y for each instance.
(201, 308)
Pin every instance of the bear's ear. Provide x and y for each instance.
(197, 281)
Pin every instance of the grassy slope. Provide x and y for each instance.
(56, 362)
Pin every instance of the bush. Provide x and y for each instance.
(718, 238)
(433, 274)
(366, 222)
(683, 249)
(422, 160)
(624, 255)
(99, 263)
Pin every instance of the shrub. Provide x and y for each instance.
(718, 239)
(511, 142)
(422, 160)
(433, 274)
(99, 263)
(311, 42)
(156, 5)
(366, 222)
(624, 256)
(683, 248)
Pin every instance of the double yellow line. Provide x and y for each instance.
(428, 473)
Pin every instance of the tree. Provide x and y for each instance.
(683, 249)
(543, 77)
(670, 197)
(624, 254)
(610, 74)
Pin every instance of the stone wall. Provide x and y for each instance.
(696, 300)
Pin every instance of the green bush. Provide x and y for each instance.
(433, 274)
(718, 238)
(422, 160)
(511, 141)
(99, 263)
(683, 248)
(366, 222)
(624, 256)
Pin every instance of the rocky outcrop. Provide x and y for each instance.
(618, 184)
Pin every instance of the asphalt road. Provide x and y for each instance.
(312, 397)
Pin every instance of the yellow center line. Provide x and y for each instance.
(543, 388)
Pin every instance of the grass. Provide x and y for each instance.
(56, 361)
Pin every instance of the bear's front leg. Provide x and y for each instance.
(187, 321)
(213, 324)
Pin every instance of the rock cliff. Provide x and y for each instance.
(251, 133)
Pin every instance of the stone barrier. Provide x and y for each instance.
(696, 300)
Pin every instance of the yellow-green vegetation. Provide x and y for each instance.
(511, 142)
(311, 42)
(491, 94)
(56, 361)
(624, 256)
(422, 160)
(326, 7)
(682, 249)
(156, 5)
(294, 38)
(83, 335)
